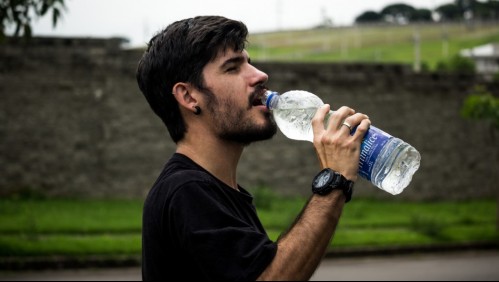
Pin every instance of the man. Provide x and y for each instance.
(198, 223)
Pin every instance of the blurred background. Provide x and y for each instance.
(80, 148)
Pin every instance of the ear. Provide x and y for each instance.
(183, 94)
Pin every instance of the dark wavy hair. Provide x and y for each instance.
(178, 54)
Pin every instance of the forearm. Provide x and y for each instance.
(301, 250)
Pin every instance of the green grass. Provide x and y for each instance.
(30, 227)
(394, 44)
(43, 227)
(70, 216)
(70, 245)
(395, 223)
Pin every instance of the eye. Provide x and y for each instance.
(232, 69)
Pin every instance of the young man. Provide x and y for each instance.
(198, 223)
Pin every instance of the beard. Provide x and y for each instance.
(234, 125)
(236, 129)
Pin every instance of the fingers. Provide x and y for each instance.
(318, 121)
(338, 146)
(344, 119)
(362, 129)
(320, 115)
(337, 118)
(353, 123)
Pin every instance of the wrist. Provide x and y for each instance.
(329, 180)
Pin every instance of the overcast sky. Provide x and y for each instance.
(138, 20)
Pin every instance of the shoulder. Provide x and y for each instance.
(183, 179)
(181, 170)
(182, 188)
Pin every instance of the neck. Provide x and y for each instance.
(218, 157)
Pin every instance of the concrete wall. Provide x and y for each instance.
(74, 123)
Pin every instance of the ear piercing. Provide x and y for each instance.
(198, 110)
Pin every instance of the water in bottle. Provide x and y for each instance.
(388, 162)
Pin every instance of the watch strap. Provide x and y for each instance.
(348, 190)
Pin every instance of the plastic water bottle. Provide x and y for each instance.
(388, 162)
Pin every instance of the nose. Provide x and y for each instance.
(258, 77)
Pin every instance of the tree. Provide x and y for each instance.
(450, 12)
(466, 5)
(369, 17)
(482, 105)
(421, 15)
(457, 64)
(398, 13)
(486, 10)
(20, 13)
(478, 10)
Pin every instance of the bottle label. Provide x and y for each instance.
(374, 141)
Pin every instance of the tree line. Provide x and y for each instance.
(458, 10)
(20, 14)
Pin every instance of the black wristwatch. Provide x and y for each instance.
(327, 180)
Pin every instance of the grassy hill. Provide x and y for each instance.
(381, 43)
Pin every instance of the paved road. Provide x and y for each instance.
(469, 266)
(466, 266)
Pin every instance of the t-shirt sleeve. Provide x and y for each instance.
(223, 245)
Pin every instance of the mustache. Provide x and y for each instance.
(259, 91)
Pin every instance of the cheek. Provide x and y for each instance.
(228, 111)
(233, 85)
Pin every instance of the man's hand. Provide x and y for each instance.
(335, 146)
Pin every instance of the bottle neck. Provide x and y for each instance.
(270, 99)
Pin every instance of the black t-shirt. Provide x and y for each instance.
(197, 228)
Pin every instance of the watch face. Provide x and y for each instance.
(323, 179)
(328, 180)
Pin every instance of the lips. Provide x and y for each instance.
(256, 97)
(257, 101)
